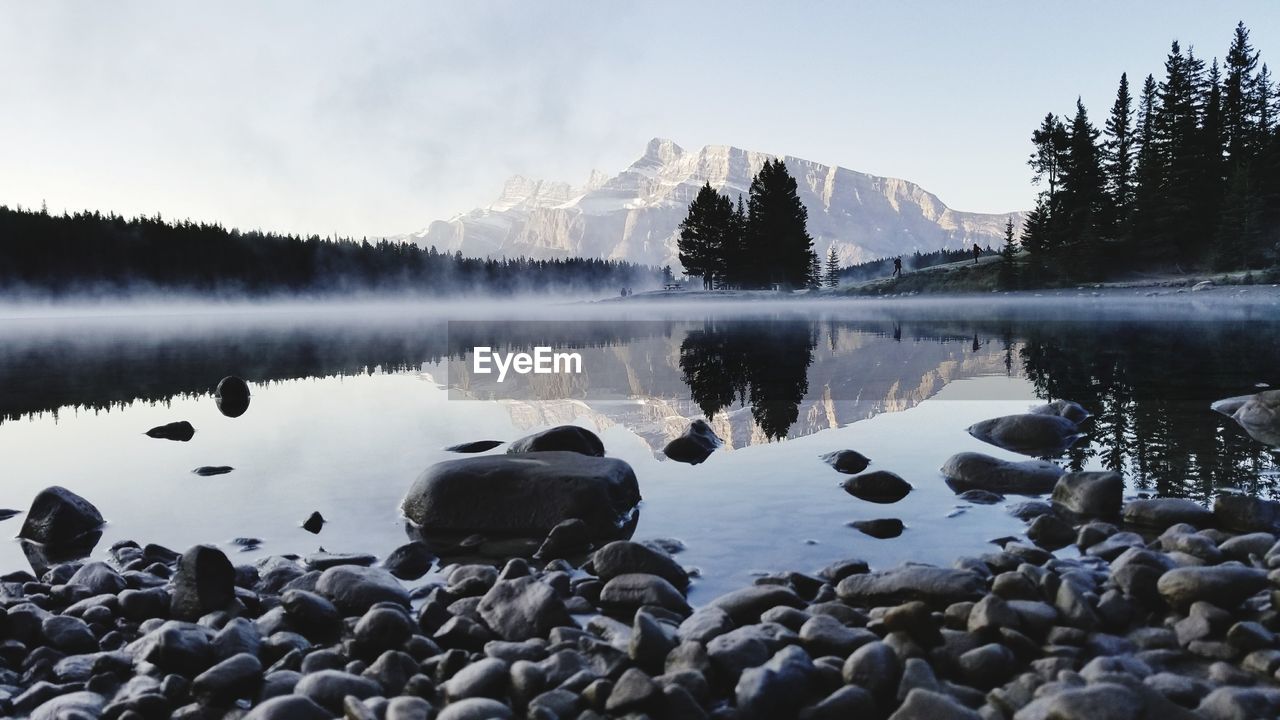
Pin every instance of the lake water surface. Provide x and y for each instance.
(350, 404)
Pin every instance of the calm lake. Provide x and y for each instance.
(350, 403)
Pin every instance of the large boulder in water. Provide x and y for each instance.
(976, 471)
(569, 438)
(232, 396)
(523, 494)
(1258, 414)
(60, 517)
(695, 445)
(1028, 433)
(1239, 512)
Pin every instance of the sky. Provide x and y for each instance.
(371, 119)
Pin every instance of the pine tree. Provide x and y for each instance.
(1049, 142)
(833, 268)
(705, 236)
(735, 261)
(1008, 277)
(1119, 156)
(1239, 115)
(1176, 133)
(778, 245)
(1148, 172)
(1083, 200)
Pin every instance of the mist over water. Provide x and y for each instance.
(350, 401)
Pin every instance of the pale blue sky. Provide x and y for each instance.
(375, 118)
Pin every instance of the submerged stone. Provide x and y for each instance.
(1028, 433)
(977, 471)
(567, 438)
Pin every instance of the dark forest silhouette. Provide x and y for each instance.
(91, 252)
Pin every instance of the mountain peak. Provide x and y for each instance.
(635, 214)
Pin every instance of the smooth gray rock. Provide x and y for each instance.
(205, 582)
(911, 582)
(633, 590)
(328, 688)
(976, 471)
(850, 462)
(878, 486)
(1160, 513)
(353, 589)
(745, 605)
(236, 677)
(289, 707)
(923, 704)
(1245, 513)
(522, 608)
(1258, 414)
(1223, 585)
(527, 493)
(623, 556)
(562, 438)
(1028, 433)
(769, 692)
(1090, 494)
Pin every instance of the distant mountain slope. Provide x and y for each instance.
(635, 214)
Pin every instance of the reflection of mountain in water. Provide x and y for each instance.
(754, 380)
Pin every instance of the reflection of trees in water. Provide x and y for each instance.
(1150, 387)
(761, 362)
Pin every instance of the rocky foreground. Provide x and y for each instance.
(1167, 610)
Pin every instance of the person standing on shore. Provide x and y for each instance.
(977, 253)
(897, 267)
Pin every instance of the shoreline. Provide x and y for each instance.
(1174, 620)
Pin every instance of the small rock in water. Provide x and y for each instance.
(695, 445)
(232, 396)
(880, 486)
(474, 447)
(182, 431)
(981, 497)
(207, 470)
(847, 461)
(5, 514)
(314, 523)
(883, 528)
(569, 438)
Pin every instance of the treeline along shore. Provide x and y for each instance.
(88, 252)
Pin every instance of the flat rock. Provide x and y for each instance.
(211, 470)
(528, 493)
(881, 529)
(624, 556)
(1223, 585)
(977, 471)
(1258, 414)
(1161, 513)
(911, 582)
(474, 447)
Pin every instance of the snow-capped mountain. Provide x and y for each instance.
(635, 215)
